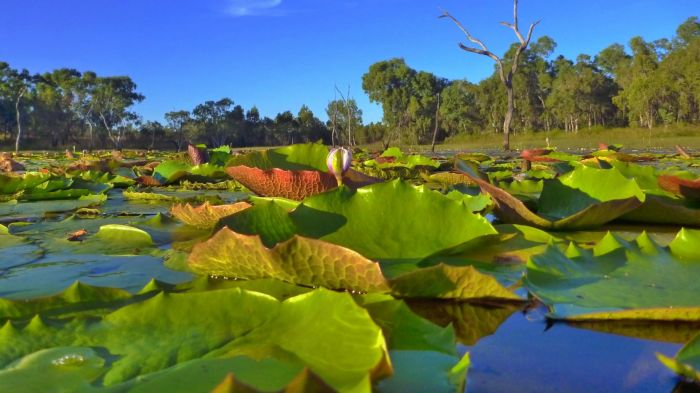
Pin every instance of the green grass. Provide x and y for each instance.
(631, 138)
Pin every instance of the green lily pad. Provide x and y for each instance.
(390, 221)
(11, 184)
(322, 330)
(39, 208)
(687, 360)
(617, 280)
(309, 156)
(583, 198)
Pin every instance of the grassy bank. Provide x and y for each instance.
(662, 138)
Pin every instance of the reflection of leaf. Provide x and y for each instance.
(665, 331)
(658, 209)
(276, 182)
(471, 322)
(299, 260)
(449, 282)
(422, 353)
(687, 360)
(616, 280)
(205, 215)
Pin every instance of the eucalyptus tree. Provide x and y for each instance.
(389, 84)
(459, 112)
(56, 95)
(505, 73)
(310, 127)
(15, 85)
(112, 98)
(211, 117)
(177, 122)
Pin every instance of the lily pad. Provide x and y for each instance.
(323, 330)
(390, 221)
(288, 184)
(206, 215)
(309, 156)
(687, 360)
(583, 198)
(300, 260)
(616, 280)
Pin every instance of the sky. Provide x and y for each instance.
(281, 54)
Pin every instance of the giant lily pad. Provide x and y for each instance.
(390, 221)
(617, 280)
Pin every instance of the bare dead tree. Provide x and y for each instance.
(349, 114)
(18, 113)
(506, 75)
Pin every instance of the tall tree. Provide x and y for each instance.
(113, 97)
(15, 85)
(506, 75)
(389, 83)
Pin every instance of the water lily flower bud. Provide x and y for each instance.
(338, 161)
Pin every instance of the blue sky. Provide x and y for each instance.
(280, 54)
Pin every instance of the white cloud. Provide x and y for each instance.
(254, 7)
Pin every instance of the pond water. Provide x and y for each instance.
(530, 356)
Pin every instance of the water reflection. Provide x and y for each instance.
(526, 356)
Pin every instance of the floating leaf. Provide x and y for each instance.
(392, 220)
(12, 183)
(687, 188)
(323, 330)
(686, 361)
(616, 280)
(206, 215)
(309, 156)
(299, 260)
(276, 182)
(78, 296)
(583, 198)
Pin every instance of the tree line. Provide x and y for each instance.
(654, 83)
(646, 84)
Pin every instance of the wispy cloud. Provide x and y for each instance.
(254, 7)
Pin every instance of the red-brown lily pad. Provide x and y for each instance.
(276, 182)
(682, 187)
